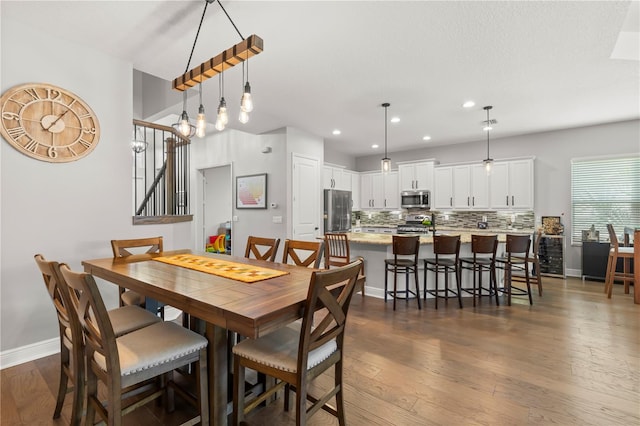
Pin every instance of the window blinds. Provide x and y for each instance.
(605, 190)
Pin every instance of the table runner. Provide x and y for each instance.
(223, 268)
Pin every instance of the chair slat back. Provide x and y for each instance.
(484, 244)
(613, 238)
(92, 313)
(262, 248)
(518, 245)
(303, 253)
(59, 293)
(121, 248)
(330, 290)
(336, 250)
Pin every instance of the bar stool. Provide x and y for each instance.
(484, 248)
(447, 259)
(517, 257)
(535, 277)
(403, 246)
(615, 252)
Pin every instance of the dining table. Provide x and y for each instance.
(251, 309)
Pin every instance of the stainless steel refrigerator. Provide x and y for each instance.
(337, 210)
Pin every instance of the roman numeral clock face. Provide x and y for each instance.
(48, 123)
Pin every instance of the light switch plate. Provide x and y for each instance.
(277, 219)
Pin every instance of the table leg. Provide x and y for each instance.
(218, 374)
(636, 266)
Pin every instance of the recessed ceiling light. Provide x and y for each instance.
(395, 119)
(375, 146)
(468, 104)
(426, 138)
(336, 132)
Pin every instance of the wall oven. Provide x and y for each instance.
(415, 199)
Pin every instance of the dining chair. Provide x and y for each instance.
(262, 248)
(616, 251)
(484, 249)
(338, 253)
(125, 248)
(404, 261)
(446, 249)
(298, 353)
(516, 259)
(128, 366)
(303, 253)
(124, 320)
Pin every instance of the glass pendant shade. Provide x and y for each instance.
(386, 165)
(246, 103)
(488, 163)
(184, 126)
(222, 112)
(201, 123)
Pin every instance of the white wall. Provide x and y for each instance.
(68, 211)
(553, 152)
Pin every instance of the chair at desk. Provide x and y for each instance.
(124, 320)
(125, 248)
(617, 252)
(303, 253)
(127, 364)
(262, 248)
(298, 353)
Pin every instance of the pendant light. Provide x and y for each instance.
(201, 121)
(183, 126)
(488, 162)
(386, 161)
(223, 117)
(246, 102)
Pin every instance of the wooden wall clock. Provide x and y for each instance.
(48, 123)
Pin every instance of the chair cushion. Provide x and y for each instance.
(479, 260)
(400, 262)
(441, 261)
(130, 297)
(622, 250)
(130, 318)
(152, 346)
(280, 349)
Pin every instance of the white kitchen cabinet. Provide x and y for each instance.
(391, 194)
(378, 191)
(511, 184)
(336, 178)
(470, 187)
(415, 176)
(355, 190)
(442, 195)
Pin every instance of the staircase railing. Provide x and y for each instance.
(160, 174)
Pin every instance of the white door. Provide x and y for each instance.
(307, 194)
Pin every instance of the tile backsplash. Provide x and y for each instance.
(460, 219)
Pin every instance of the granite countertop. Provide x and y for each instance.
(465, 236)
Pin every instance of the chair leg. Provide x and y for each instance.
(415, 275)
(91, 397)
(538, 278)
(64, 381)
(203, 387)
(342, 421)
(238, 391)
(386, 278)
(493, 276)
(458, 279)
(395, 287)
(426, 271)
(436, 292)
(528, 280)
(507, 283)
(607, 278)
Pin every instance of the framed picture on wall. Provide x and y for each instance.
(251, 191)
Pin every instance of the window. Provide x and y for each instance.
(604, 190)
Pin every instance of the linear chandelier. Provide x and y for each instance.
(217, 65)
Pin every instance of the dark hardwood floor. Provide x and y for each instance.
(573, 358)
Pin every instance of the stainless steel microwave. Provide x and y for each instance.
(415, 199)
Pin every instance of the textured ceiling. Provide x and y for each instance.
(326, 65)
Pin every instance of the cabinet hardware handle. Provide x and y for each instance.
(507, 200)
(473, 201)
(512, 201)
(451, 201)
(468, 202)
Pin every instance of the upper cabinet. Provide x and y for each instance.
(416, 176)
(512, 185)
(336, 178)
(378, 191)
(468, 187)
(355, 190)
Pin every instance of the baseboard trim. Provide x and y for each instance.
(29, 352)
(574, 272)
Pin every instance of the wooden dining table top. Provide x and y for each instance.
(251, 309)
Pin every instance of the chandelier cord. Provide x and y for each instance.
(197, 34)
(385, 132)
(488, 131)
(230, 20)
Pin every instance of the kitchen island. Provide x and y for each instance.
(375, 248)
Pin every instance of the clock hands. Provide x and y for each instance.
(51, 126)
